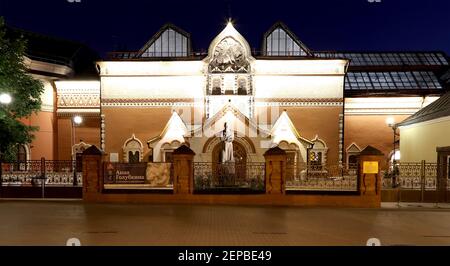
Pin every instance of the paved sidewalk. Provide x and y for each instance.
(53, 222)
(395, 205)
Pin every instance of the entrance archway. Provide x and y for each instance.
(222, 174)
(239, 153)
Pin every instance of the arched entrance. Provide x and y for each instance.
(239, 152)
(229, 174)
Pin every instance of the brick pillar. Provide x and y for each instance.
(275, 170)
(183, 172)
(92, 159)
(370, 162)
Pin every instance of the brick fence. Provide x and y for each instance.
(367, 194)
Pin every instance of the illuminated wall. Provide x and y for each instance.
(419, 141)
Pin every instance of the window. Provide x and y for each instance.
(77, 151)
(133, 157)
(281, 43)
(132, 150)
(21, 153)
(353, 151)
(216, 86)
(242, 86)
(318, 154)
(21, 157)
(168, 156)
(352, 161)
(169, 42)
(315, 158)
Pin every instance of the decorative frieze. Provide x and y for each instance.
(152, 102)
(298, 102)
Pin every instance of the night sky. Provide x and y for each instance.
(355, 25)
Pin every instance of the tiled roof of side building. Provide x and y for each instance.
(437, 109)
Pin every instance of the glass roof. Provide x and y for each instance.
(391, 80)
(389, 59)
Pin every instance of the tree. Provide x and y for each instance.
(24, 90)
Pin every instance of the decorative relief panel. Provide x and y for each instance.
(229, 56)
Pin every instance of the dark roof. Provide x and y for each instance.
(446, 78)
(57, 51)
(183, 149)
(437, 109)
(93, 150)
(275, 151)
(370, 150)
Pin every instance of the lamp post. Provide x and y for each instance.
(76, 121)
(5, 99)
(390, 121)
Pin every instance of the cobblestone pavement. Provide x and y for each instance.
(53, 222)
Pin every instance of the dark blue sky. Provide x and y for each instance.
(320, 24)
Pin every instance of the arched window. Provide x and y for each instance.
(21, 153)
(77, 151)
(352, 156)
(318, 153)
(216, 86)
(22, 156)
(242, 86)
(132, 150)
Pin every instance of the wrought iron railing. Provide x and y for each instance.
(411, 176)
(33, 172)
(143, 175)
(210, 176)
(302, 177)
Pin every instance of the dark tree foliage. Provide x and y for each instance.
(24, 90)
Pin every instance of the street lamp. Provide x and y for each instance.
(76, 121)
(390, 121)
(5, 99)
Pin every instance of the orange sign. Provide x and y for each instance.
(370, 167)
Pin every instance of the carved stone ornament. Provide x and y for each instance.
(229, 56)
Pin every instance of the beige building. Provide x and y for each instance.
(426, 130)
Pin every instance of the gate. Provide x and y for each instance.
(416, 182)
(40, 179)
(443, 173)
(239, 178)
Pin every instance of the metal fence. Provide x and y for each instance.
(33, 172)
(143, 175)
(248, 177)
(411, 176)
(303, 177)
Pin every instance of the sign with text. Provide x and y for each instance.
(370, 167)
(125, 173)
